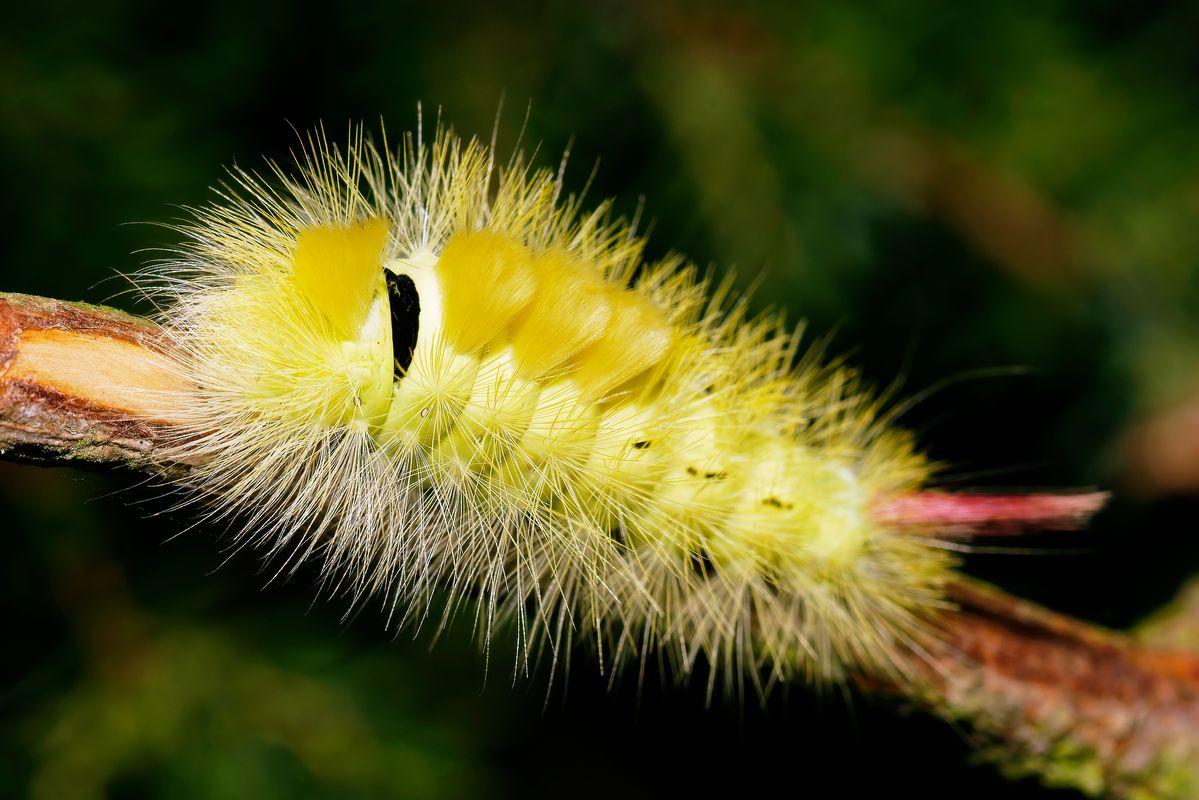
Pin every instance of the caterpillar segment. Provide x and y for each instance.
(440, 384)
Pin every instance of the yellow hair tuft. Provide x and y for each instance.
(338, 267)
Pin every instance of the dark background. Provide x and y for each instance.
(998, 200)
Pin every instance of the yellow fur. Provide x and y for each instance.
(487, 279)
(583, 442)
(339, 269)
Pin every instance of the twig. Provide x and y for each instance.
(1078, 706)
(1044, 694)
(79, 384)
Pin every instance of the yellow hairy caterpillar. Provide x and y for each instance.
(435, 373)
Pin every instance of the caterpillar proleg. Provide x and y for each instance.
(435, 373)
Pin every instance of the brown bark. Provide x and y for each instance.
(82, 384)
(1078, 706)
(1044, 694)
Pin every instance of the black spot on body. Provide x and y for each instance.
(640, 445)
(711, 476)
(405, 319)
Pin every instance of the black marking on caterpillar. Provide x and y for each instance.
(404, 301)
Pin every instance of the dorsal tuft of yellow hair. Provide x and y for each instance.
(338, 267)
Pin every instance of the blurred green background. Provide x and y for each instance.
(950, 190)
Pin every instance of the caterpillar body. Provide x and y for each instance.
(445, 378)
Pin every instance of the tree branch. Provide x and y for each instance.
(1076, 705)
(1044, 694)
(82, 384)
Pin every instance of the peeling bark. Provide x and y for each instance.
(79, 384)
